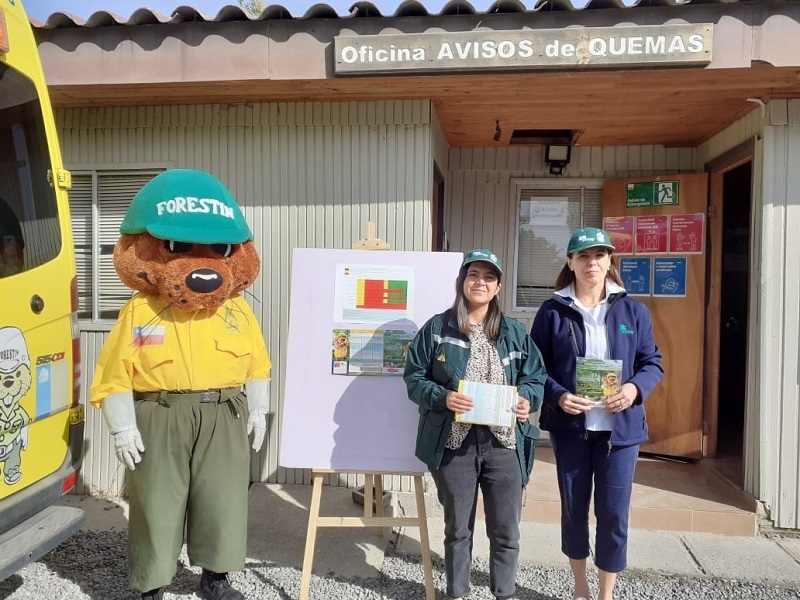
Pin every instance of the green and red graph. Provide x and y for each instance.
(385, 294)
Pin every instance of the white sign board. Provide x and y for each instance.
(579, 47)
(362, 423)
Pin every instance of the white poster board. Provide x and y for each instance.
(345, 422)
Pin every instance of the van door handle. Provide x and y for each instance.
(37, 304)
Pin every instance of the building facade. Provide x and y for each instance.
(437, 127)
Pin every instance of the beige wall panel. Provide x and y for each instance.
(779, 330)
(739, 132)
(772, 420)
(102, 474)
(306, 175)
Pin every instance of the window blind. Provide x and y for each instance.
(98, 202)
(545, 219)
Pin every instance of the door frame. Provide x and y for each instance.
(716, 169)
(438, 240)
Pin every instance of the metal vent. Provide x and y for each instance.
(541, 137)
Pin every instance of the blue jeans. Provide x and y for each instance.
(480, 461)
(580, 463)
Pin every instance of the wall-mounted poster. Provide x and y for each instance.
(686, 233)
(635, 273)
(651, 234)
(669, 277)
(652, 193)
(621, 231)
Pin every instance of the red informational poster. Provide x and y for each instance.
(686, 233)
(651, 234)
(621, 231)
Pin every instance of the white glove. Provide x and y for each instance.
(257, 391)
(23, 436)
(120, 419)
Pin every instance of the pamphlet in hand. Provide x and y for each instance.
(492, 404)
(598, 378)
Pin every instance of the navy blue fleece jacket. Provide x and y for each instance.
(559, 333)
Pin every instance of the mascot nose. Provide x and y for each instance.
(203, 281)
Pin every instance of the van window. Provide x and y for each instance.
(29, 229)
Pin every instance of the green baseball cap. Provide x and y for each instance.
(589, 237)
(484, 255)
(189, 206)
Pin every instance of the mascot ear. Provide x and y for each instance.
(138, 262)
(245, 267)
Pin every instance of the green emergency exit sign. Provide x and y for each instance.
(652, 193)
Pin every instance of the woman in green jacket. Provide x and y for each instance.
(474, 341)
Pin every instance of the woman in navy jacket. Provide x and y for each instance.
(595, 442)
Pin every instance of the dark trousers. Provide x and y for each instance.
(195, 472)
(580, 463)
(483, 462)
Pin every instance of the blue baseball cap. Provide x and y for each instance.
(189, 206)
(484, 255)
(589, 237)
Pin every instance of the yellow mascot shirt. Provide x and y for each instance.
(153, 348)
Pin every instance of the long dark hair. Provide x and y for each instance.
(460, 310)
(567, 276)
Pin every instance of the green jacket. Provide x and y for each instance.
(436, 363)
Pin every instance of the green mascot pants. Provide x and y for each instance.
(195, 471)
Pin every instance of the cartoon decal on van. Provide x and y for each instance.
(15, 383)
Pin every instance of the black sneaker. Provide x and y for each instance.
(154, 594)
(215, 586)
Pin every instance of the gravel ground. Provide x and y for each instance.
(93, 565)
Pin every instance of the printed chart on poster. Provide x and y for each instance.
(357, 309)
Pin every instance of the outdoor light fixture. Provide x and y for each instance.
(497, 131)
(557, 157)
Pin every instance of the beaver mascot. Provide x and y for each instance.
(182, 380)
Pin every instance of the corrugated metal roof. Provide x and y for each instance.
(407, 8)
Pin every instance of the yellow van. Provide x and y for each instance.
(41, 418)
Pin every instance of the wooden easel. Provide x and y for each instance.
(368, 520)
(373, 494)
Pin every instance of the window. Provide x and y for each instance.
(98, 202)
(30, 235)
(546, 214)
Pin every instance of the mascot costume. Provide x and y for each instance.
(182, 380)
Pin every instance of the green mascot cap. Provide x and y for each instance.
(184, 205)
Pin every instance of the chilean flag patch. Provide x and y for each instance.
(148, 335)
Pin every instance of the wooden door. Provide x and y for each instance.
(675, 408)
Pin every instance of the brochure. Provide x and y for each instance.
(492, 404)
(598, 378)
